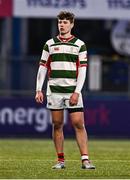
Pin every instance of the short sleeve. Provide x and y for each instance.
(83, 56)
(45, 56)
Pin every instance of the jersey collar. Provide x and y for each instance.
(65, 39)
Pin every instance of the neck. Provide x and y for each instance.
(66, 35)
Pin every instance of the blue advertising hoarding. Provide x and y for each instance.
(23, 117)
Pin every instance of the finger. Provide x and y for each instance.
(37, 99)
(72, 103)
(40, 99)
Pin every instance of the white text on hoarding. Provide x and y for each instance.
(117, 4)
(57, 3)
(39, 118)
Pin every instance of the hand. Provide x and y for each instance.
(39, 97)
(74, 99)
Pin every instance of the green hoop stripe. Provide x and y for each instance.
(83, 62)
(63, 74)
(83, 48)
(62, 89)
(46, 48)
(64, 57)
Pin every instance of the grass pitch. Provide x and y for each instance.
(33, 158)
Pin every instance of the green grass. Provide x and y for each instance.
(32, 159)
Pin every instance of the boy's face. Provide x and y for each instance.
(64, 26)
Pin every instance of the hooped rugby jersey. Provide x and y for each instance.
(62, 57)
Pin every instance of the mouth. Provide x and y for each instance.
(61, 29)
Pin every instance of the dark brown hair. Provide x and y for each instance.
(66, 15)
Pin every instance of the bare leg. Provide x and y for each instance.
(77, 119)
(58, 137)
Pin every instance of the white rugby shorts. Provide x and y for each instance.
(61, 101)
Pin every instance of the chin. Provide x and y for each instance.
(62, 32)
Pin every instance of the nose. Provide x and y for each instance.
(61, 25)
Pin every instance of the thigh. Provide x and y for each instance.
(77, 118)
(57, 116)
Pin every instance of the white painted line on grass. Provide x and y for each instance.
(73, 160)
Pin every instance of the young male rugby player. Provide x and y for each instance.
(65, 58)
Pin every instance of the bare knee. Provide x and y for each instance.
(78, 125)
(57, 125)
(57, 120)
(77, 120)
